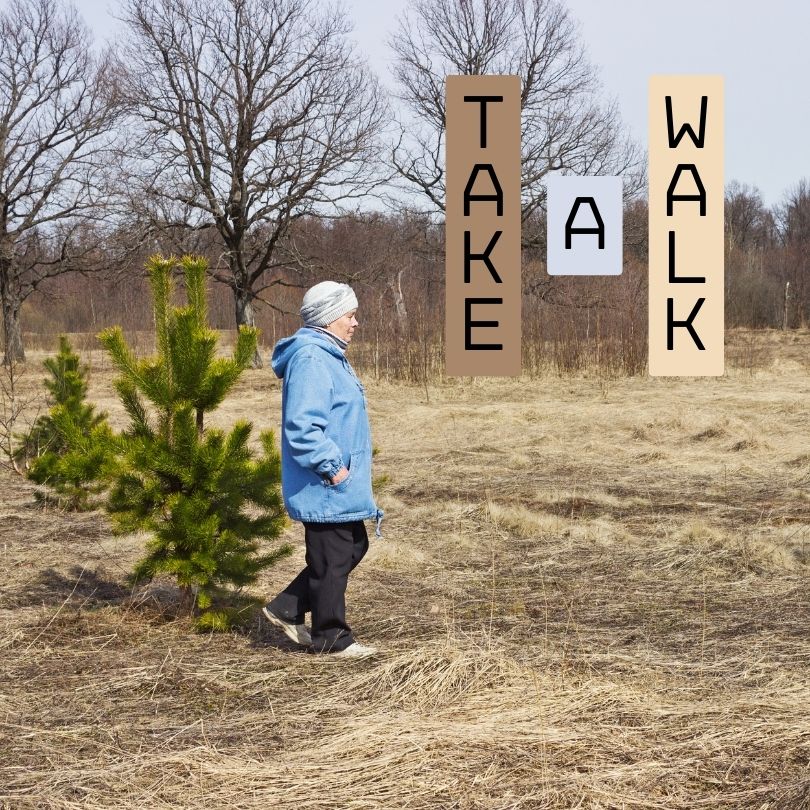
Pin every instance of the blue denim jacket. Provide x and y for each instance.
(324, 425)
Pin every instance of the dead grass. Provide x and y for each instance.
(585, 597)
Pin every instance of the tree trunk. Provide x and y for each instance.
(399, 306)
(10, 299)
(401, 321)
(245, 316)
(399, 302)
(188, 599)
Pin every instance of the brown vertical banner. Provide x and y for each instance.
(686, 306)
(482, 221)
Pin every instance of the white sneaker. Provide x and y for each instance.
(295, 632)
(356, 650)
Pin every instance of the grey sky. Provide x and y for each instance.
(762, 49)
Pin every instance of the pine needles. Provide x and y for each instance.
(70, 448)
(201, 494)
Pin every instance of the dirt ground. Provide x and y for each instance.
(590, 593)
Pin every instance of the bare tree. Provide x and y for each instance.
(749, 224)
(57, 111)
(793, 216)
(254, 113)
(563, 125)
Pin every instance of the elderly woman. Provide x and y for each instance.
(325, 469)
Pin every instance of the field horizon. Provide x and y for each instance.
(592, 591)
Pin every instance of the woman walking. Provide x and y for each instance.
(325, 469)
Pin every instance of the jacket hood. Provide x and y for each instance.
(287, 347)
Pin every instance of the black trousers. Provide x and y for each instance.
(332, 552)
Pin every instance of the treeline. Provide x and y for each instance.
(396, 264)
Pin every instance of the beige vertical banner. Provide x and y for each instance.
(686, 308)
(482, 216)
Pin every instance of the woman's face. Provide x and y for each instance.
(344, 326)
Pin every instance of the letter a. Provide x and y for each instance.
(599, 230)
(700, 197)
(497, 197)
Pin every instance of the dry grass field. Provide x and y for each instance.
(590, 593)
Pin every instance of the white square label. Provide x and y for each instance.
(584, 236)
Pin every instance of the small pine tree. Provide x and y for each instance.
(187, 485)
(71, 448)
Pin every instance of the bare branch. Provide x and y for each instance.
(253, 113)
(565, 127)
(58, 108)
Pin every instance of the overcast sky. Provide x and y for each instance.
(762, 50)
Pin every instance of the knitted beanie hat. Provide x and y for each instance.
(326, 302)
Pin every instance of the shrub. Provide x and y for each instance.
(71, 448)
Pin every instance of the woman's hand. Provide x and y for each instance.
(340, 475)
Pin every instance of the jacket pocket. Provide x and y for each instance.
(353, 493)
(345, 483)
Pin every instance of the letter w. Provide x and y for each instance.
(686, 129)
